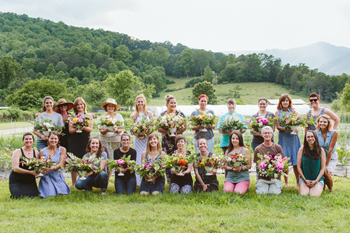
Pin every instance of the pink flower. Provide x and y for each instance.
(264, 121)
(279, 167)
(262, 165)
(120, 161)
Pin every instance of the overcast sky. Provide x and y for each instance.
(222, 25)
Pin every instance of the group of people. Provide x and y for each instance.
(312, 163)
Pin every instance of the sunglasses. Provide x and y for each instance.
(313, 100)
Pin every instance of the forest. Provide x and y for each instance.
(39, 57)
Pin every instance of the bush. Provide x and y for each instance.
(15, 114)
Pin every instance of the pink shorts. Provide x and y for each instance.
(241, 187)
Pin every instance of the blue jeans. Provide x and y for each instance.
(41, 144)
(210, 145)
(122, 185)
(97, 181)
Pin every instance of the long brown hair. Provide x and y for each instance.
(58, 136)
(317, 147)
(240, 138)
(282, 98)
(159, 146)
(100, 148)
(43, 109)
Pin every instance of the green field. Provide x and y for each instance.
(250, 92)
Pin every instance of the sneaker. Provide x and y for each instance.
(103, 193)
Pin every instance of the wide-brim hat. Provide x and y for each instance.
(110, 101)
(61, 102)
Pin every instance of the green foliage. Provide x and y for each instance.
(208, 75)
(9, 71)
(94, 94)
(345, 99)
(33, 93)
(204, 88)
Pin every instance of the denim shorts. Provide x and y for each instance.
(156, 186)
(320, 182)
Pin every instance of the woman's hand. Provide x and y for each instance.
(237, 169)
(151, 180)
(43, 137)
(205, 187)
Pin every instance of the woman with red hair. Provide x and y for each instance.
(203, 131)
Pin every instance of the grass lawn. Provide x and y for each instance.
(250, 92)
(12, 125)
(205, 212)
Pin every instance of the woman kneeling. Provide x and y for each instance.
(311, 166)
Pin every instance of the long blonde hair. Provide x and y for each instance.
(75, 103)
(136, 115)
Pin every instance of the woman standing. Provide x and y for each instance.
(22, 180)
(224, 140)
(140, 142)
(111, 138)
(257, 138)
(290, 143)
(318, 111)
(311, 166)
(152, 155)
(237, 178)
(204, 183)
(202, 131)
(53, 182)
(62, 107)
(47, 112)
(95, 179)
(126, 183)
(181, 183)
(327, 138)
(168, 142)
(79, 141)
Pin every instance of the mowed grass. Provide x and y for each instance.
(13, 125)
(204, 212)
(250, 92)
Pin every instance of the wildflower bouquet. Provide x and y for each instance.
(84, 165)
(38, 165)
(230, 123)
(237, 160)
(171, 123)
(46, 126)
(208, 163)
(108, 122)
(272, 165)
(80, 121)
(205, 120)
(256, 124)
(149, 170)
(293, 121)
(142, 127)
(178, 162)
(122, 164)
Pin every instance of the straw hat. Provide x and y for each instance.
(110, 101)
(61, 102)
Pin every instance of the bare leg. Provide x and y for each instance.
(144, 193)
(286, 178)
(316, 191)
(296, 173)
(303, 189)
(74, 178)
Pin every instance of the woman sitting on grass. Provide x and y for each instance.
(95, 179)
(204, 182)
(181, 182)
(53, 182)
(237, 178)
(311, 166)
(154, 185)
(22, 181)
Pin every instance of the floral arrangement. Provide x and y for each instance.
(293, 119)
(38, 165)
(149, 170)
(142, 127)
(230, 123)
(205, 120)
(80, 120)
(108, 122)
(84, 165)
(178, 161)
(169, 122)
(46, 126)
(272, 165)
(259, 122)
(208, 163)
(122, 164)
(237, 160)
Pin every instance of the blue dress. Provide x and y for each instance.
(290, 143)
(53, 182)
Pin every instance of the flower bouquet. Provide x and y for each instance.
(259, 122)
(46, 126)
(178, 162)
(110, 123)
(149, 170)
(205, 120)
(143, 127)
(80, 121)
(171, 123)
(122, 164)
(84, 165)
(293, 121)
(230, 123)
(208, 163)
(38, 165)
(237, 160)
(272, 165)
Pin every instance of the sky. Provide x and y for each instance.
(219, 26)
